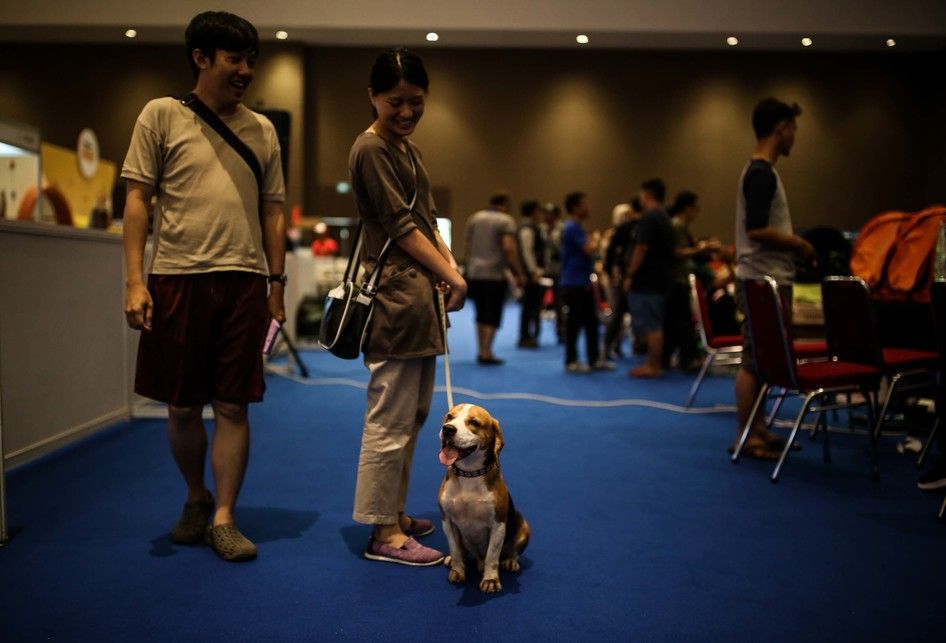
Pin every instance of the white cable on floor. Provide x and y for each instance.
(532, 397)
(557, 401)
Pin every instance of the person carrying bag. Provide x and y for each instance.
(404, 337)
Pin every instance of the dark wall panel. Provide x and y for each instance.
(541, 123)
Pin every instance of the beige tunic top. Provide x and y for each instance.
(207, 216)
(406, 321)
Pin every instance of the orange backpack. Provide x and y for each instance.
(911, 267)
(874, 246)
(893, 253)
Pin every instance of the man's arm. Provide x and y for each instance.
(773, 238)
(591, 243)
(138, 303)
(511, 250)
(637, 258)
(701, 247)
(759, 190)
(274, 245)
(527, 244)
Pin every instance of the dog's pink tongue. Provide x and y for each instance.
(448, 455)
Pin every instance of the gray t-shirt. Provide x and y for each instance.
(760, 203)
(485, 258)
(207, 214)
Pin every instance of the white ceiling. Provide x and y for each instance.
(648, 24)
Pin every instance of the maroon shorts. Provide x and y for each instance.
(206, 339)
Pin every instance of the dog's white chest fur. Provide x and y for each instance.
(471, 507)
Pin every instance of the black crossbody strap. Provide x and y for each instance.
(210, 117)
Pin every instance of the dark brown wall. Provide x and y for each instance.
(542, 123)
(62, 89)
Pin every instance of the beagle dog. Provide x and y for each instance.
(478, 516)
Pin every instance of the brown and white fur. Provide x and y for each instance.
(478, 515)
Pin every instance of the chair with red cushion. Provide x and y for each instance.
(727, 349)
(821, 383)
(852, 325)
(720, 349)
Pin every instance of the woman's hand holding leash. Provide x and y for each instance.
(455, 294)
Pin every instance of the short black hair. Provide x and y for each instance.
(769, 112)
(213, 30)
(529, 207)
(393, 66)
(572, 199)
(683, 201)
(656, 189)
(498, 199)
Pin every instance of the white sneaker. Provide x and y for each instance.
(577, 367)
(604, 365)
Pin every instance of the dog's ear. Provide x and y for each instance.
(498, 432)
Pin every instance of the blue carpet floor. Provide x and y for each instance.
(642, 529)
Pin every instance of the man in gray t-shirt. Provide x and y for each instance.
(219, 245)
(490, 248)
(765, 245)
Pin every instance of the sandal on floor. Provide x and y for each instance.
(229, 543)
(645, 372)
(762, 451)
(778, 442)
(192, 524)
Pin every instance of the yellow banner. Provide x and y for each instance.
(61, 170)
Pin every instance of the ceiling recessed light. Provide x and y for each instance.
(732, 41)
(281, 35)
(433, 36)
(806, 42)
(582, 39)
(891, 42)
(130, 33)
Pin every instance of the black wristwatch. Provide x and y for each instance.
(280, 278)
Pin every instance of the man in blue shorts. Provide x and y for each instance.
(218, 241)
(650, 276)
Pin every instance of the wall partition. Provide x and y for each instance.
(65, 368)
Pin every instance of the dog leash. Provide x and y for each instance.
(446, 348)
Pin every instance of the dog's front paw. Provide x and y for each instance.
(510, 565)
(457, 576)
(490, 585)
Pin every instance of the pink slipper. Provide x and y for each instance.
(419, 527)
(410, 553)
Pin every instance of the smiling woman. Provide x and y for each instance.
(392, 192)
